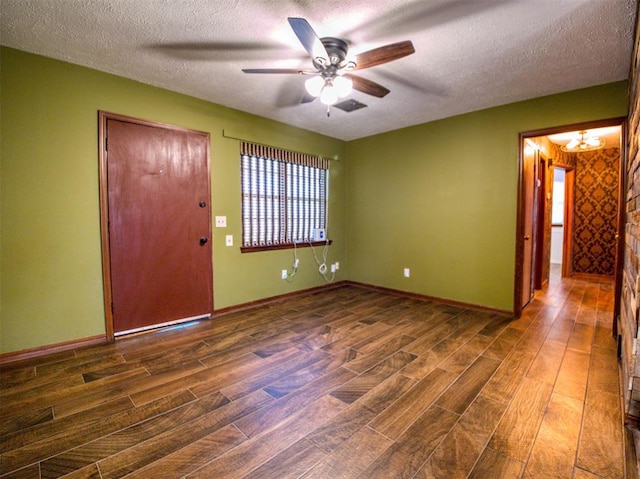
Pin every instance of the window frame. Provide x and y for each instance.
(290, 192)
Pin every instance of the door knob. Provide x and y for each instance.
(203, 241)
(202, 204)
(527, 237)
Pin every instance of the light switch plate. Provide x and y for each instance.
(221, 221)
(229, 240)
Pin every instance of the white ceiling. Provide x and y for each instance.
(470, 54)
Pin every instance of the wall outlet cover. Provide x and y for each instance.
(318, 234)
(221, 221)
(284, 274)
(229, 240)
(407, 272)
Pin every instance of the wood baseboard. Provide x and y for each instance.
(425, 297)
(274, 299)
(590, 276)
(46, 350)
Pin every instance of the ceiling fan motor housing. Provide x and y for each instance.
(336, 49)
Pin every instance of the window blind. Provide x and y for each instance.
(284, 195)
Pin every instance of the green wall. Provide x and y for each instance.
(440, 198)
(51, 270)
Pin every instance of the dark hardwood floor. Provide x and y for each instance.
(344, 383)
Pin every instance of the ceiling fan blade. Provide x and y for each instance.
(367, 86)
(385, 54)
(310, 41)
(277, 70)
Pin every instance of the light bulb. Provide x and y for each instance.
(343, 86)
(329, 95)
(314, 85)
(572, 144)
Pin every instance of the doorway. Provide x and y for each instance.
(156, 224)
(558, 219)
(562, 214)
(541, 155)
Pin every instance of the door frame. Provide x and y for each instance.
(519, 241)
(567, 217)
(569, 205)
(540, 168)
(103, 118)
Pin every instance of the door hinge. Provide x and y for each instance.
(106, 144)
(112, 307)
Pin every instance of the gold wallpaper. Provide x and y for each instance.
(595, 212)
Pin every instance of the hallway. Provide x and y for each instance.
(583, 418)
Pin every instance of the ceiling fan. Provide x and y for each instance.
(331, 78)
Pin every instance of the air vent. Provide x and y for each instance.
(349, 105)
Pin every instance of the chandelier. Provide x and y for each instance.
(583, 142)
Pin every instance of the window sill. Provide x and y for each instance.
(272, 247)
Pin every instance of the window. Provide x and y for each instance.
(284, 196)
(557, 208)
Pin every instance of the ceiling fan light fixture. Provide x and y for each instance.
(314, 85)
(329, 95)
(330, 59)
(342, 85)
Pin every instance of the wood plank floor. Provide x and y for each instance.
(343, 383)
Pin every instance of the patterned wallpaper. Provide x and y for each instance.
(595, 212)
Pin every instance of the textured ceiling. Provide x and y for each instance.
(470, 54)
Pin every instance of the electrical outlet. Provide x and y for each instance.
(221, 221)
(229, 240)
(337, 265)
(284, 274)
(333, 268)
(407, 272)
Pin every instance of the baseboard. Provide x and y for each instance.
(591, 276)
(423, 297)
(274, 299)
(16, 356)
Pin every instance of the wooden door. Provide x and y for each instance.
(540, 201)
(159, 253)
(528, 197)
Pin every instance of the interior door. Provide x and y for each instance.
(539, 223)
(159, 224)
(528, 196)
